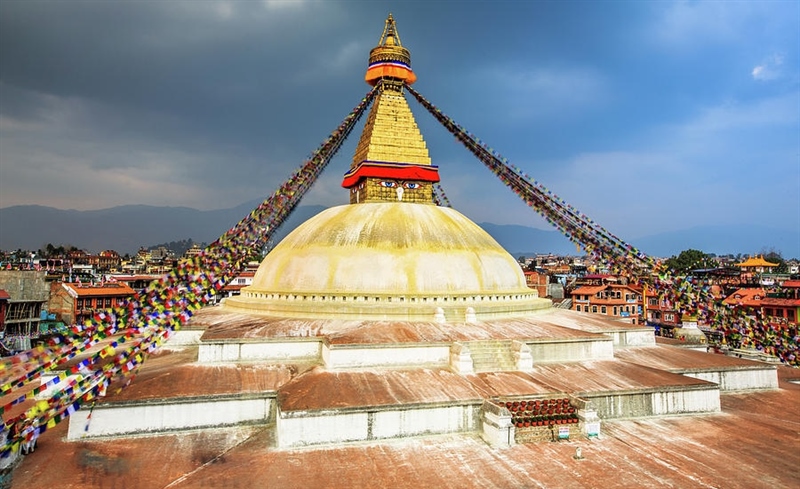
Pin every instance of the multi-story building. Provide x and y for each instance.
(538, 281)
(136, 281)
(106, 260)
(776, 307)
(606, 295)
(27, 294)
(73, 303)
(660, 313)
(235, 286)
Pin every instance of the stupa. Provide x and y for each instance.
(386, 320)
(391, 254)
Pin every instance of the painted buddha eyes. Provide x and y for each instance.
(408, 185)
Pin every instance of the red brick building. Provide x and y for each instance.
(605, 295)
(537, 281)
(73, 303)
(778, 307)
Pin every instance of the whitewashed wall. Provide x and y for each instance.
(210, 352)
(736, 380)
(348, 357)
(571, 351)
(637, 337)
(327, 428)
(184, 337)
(666, 402)
(316, 428)
(162, 416)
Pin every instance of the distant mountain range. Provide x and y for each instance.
(127, 228)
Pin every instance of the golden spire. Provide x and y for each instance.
(391, 161)
(389, 59)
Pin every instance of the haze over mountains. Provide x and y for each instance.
(127, 228)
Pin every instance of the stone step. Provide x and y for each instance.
(492, 355)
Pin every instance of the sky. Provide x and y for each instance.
(648, 116)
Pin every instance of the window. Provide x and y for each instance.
(594, 308)
(603, 309)
(615, 310)
(79, 305)
(108, 302)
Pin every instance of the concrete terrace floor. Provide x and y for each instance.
(753, 443)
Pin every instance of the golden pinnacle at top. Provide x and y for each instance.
(389, 59)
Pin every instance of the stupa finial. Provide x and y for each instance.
(391, 162)
(390, 37)
(389, 60)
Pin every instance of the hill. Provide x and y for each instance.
(127, 228)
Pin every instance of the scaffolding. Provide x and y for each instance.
(28, 292)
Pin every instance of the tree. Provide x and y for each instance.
(773, 256)
(689, 260)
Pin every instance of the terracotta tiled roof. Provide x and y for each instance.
(750, 297)
(589, 290)
(791, 284)
(777, 301)
(233, 287)
(106, 290)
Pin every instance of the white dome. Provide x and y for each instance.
(404, 259)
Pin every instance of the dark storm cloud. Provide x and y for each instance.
(167, 70)
(210, 104)
(171, 101)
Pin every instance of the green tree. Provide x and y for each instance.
(689, 260)
(774, 256)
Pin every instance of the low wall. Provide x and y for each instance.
(280, 351)
(664, 402)
(184, 337)
(571, 351)
(160, 415)
(295, 429)
(633, 337)
(740, 379)
(349, 356)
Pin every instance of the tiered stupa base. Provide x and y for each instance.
(346, 381)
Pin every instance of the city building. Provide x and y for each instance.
(606, 295)
(28, 293)
(777, 307)
(73, 303)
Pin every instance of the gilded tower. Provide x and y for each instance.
(391, 162)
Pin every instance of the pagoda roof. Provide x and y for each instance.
(756, 261)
